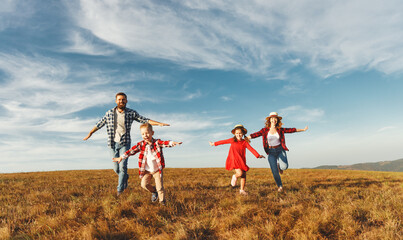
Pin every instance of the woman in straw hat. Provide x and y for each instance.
(274, 145)
(236, 157)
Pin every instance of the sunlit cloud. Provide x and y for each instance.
(383, 129)
(86, 45)
(15, 13)
(301, 114)
(330, 38)
(226, 98)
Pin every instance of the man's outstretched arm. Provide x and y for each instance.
(91, 132)
(155, 123)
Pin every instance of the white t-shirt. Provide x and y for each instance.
(120, 128)
(273, 139)
(151, 161)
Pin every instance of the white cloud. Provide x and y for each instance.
(386, 128)
(301, 114)
(86, 45)
(329, 37)
(14, 13)
(226, 98)
(39, 86)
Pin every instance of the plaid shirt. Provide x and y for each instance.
(264, 131)
(156, 150)
(109, 120)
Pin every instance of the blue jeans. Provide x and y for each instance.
(277, 154)
(120, 169)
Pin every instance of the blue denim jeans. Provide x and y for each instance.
(277, 155)
(120, 169)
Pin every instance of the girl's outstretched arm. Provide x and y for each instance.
(226, 141)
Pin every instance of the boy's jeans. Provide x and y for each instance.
(120, 169)
(280, 155)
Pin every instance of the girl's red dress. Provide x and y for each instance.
(236, 157)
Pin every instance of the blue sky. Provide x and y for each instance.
(202, 66)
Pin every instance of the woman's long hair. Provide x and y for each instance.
(268, 123)
(244, 137)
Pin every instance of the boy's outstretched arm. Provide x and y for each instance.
(176, 143)
(118, 160)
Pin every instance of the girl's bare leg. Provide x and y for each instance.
(243, 182)
(242, 175)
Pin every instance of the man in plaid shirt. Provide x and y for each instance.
(118, 123)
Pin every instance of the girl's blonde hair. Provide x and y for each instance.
(278, 125)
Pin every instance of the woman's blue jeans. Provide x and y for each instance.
(120, 169)
(277, 155)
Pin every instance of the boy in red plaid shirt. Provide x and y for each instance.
(151, 161)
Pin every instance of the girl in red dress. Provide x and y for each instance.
(236, 156)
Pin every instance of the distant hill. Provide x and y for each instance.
(385, 166)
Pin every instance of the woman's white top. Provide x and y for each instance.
(151, 162)
(273, 139)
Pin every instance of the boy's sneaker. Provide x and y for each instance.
(119, 193)
(242, 192)
(233, 180)
(154, 196)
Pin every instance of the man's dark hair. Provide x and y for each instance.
(121, 94)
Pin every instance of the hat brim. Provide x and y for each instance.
(275, 117)
(242, 128)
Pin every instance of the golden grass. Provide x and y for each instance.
(316, 204)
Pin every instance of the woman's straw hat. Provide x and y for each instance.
(274, 114)
(239, 126)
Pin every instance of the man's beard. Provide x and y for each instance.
(122, 106)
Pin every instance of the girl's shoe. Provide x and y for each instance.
(280, 189)
(233, 180)
(242, 192)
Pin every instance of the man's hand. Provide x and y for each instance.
(90, 133)
(88, 136)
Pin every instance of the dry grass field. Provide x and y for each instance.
(316, 204)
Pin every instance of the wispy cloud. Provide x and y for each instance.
(301, 114)
(39, 86)
(330, 38)
(386, 128)
(226, 98)
(81, 43)
(14, 13)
